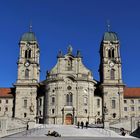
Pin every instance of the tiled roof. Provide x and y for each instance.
(131, 92)
(6, 92)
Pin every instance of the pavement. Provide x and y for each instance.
(70, 132)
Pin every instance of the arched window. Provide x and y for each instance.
(53, 110)
(111, 53)
(26, 73)
(28, 54)
(53, 100)
(69, 99)
(113, 104)
(112, 74)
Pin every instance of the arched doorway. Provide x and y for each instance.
(68, 119)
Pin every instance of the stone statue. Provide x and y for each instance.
(60, 54)
(78, 53)
(70, 49)
(32, 108)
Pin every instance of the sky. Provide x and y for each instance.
(81, 23)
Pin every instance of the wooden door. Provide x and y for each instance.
(68, 120)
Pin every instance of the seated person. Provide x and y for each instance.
(54, 133)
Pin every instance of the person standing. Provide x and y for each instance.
(82, 124)
(86, 124)
(78, 124)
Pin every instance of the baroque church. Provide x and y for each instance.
(69, 93)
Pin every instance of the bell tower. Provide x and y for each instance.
(28, 77)
(111, 76)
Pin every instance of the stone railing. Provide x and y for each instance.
(8, 132)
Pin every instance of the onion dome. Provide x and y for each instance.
(28, 36)
(110, 36)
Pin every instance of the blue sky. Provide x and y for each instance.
(58, 23)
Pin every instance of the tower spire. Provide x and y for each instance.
(30, 27)
(108, 25)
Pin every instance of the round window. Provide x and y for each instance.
(69, 87)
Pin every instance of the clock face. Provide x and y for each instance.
(111, 64)
(27, 64)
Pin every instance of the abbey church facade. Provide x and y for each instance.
(69, 93)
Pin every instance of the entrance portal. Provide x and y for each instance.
(68, 119)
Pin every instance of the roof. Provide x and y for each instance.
(6, 92)
(28, 36)
(110, 36)
(131, 92)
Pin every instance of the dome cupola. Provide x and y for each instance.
(28, 36)
(110, 36)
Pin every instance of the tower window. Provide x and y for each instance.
(112, 74)
(111, 53)
(26, 73)
(28, 54)
(53, 111)
(25, 103)
(69, 99)
(113, 104)
(53, 100)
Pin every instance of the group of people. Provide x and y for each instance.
(82, 124)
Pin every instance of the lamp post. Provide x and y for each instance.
(75, 119)
(119, 107)
(105, 111)
(62, 115)
(73, 115)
